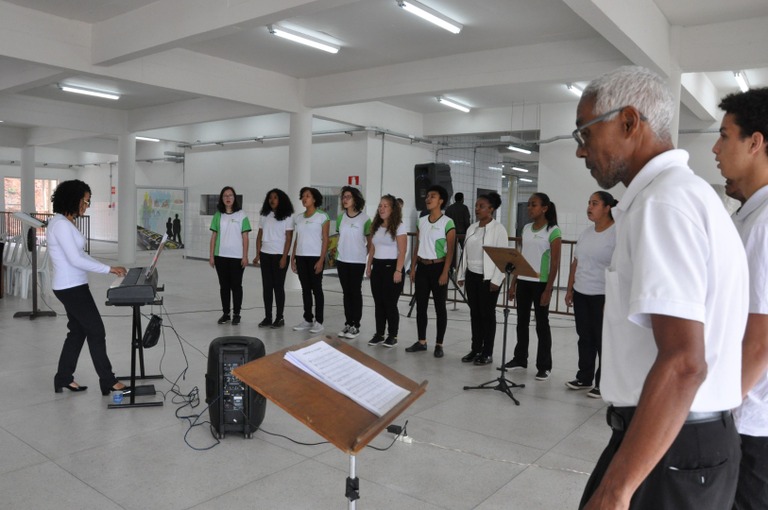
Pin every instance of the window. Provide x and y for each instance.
(43, 190)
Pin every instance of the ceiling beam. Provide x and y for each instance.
(731, 45)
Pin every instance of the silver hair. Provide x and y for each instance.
(639, 87)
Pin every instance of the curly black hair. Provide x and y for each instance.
(315, 194)
(284, 205)
(356, 196)
(749, 110)
(66, 198)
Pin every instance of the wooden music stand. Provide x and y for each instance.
(509, 261)
(344, 423)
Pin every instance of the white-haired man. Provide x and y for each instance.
(676, 308)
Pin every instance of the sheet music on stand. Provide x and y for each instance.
(348, 376)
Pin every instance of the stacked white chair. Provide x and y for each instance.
(11, 255)
(24, 274)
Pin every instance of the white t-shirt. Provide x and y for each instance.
(353, 238)
(273, 233)
(230, 228)
(385, 248)
(677, 254)
(309, 233)
(752, 222)
(473, 248)
(537, 249)
(593, 253)
(66, 250)
(433, 237)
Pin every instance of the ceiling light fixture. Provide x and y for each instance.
(453, 104)
(518, 149)
(104, 94)
(575, 89)
(523, 179)
(308, 40)
(431, 15)
(741, 79)
(147, 139)
(519, 169)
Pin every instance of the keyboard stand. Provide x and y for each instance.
(137, 352)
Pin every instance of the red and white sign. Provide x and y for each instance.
(113, 190)
(353, 179)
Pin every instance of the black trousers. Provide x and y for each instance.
(311, 285)
(427, 281)
(588, 311)
(386, 294)
(752, 489)
(351, 279)
(84, 324)
(482, 312)
(698, 471)
(230, 273)
(529, 293)
(273, 282)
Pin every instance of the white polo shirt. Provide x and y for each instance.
(752, 223)
(677, 254)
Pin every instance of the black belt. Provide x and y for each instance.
(618, 418)
(430, 261)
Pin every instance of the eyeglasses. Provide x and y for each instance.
(579, 137)
(87, 202)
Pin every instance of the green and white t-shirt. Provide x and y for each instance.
(353, 233)
(309, 233)
(433, 237)
(536, 250)
(230, 228)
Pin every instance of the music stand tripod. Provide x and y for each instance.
(510, 261)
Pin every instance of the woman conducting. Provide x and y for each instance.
(229, 252)
(586, 288)
(482, 278)
(71, 265)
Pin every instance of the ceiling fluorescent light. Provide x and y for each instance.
(308, 40)
(519, 169)
(453, 104)
(147, 139)
(90, 92)
(741, 79)
(431, 15)
(574, 88)
(523, 179)
(518, 149)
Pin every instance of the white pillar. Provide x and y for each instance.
(299, 155)
(28, 179)
(675, 84)
(126, 199)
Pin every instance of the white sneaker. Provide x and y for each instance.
(317, 327)
(353, 332)
(343, 332)
(303, 326)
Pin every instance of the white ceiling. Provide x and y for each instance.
(178, 62)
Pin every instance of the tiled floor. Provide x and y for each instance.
(471, 449)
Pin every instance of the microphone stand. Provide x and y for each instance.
(32, 247)
(502, 383)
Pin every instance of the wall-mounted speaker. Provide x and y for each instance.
(430, 174)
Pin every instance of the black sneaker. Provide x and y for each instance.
(514, 364)
(469, 358)
(439, 351)
(542, 375)
(376, 340)
(266, 323)
(578, 385)
(223, 319)
(391, 341)
(235, 320)
(279, 323)
(417, 347)
(594, 393)
(483, 360)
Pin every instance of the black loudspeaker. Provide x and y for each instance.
(430, 174)
(233, 405)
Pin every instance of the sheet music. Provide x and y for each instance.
(348, 376)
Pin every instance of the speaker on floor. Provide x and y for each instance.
(233, 405)
(430, 174)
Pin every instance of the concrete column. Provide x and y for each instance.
(299, 155)
(126, 199)
(675, 85)
(28, 179)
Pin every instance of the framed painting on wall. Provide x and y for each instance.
(160, 211)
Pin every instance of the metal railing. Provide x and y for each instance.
(11, 226)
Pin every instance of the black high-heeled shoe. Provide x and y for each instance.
(109, 390)
(59, 389)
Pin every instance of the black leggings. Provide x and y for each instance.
(230, 271)
(588, 311)
(427, 281)
(84, 323)
(351, 279)
(311, 285)
(482, 312)
(529, 293)
(273, 281)
(386, 294)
